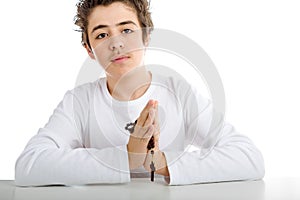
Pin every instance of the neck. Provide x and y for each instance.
(131, 85)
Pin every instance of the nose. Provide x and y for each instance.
(116, 43)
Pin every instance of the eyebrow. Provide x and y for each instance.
(118, 24)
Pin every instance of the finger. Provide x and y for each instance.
(150, 118)
(139, 131)
(156, 136)
(142, 127)
(144, 114)
(156, 122)
(149, 133)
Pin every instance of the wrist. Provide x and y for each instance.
(163, 169)
(135, 160)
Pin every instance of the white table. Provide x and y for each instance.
(141, 188)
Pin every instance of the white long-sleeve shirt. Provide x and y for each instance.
(85, 140)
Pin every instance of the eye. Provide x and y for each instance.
(101, 35)
(127, 31)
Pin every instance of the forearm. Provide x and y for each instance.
(239, 161)
(47, 165)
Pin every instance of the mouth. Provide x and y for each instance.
(120, 59)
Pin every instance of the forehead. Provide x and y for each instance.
(112, 14)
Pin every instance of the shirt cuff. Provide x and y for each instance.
(174, 176)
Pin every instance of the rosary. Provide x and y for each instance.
(130, 127)
(150, 147)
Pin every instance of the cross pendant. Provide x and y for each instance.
(152, 167)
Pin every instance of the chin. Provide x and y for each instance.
(120, 71)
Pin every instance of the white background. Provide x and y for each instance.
(255, 46)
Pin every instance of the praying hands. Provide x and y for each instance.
(143, 146)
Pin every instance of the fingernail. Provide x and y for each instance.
(151, 102)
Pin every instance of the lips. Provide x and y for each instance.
(120, 58)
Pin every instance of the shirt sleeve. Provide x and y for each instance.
(56, 155)
(223, 154)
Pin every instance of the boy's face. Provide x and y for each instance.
(115, 36)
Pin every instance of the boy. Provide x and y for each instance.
(100, 132)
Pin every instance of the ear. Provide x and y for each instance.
(89, 51)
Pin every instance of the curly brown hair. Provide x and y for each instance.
(84, 8)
